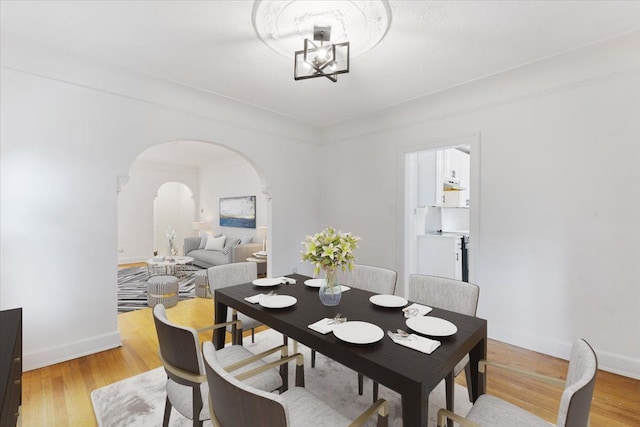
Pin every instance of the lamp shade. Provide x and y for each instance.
(261, 232)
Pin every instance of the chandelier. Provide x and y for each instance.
(286, 25)
(323, 60)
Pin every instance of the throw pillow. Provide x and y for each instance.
(229, 244)
(245, 240)
(203, 240)
(215, 243)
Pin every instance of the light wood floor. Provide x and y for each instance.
(59, 395)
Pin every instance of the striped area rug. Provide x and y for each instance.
(132, 287)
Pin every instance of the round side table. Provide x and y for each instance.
(162, 290)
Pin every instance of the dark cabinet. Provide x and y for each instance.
(10, 366)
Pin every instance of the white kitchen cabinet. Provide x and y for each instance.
(456, 166)
(440, 255)
(430, 188)
(454, 163)
(434, 167)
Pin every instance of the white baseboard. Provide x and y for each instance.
(607, 361)
(70, 351)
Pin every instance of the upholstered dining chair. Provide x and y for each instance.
(221, 276)
(575, 402)
(448, 294)
(375, 279)
(180, 354)
(452, 295)
(236, 403)
(370, 278)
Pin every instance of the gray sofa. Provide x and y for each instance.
(234, 252)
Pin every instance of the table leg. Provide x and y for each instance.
(284, 368)
(449, 397)
(478, 380)
(415, 407)
(236, 333)
(219, 317)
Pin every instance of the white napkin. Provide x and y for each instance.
(422, 309)
(255, 299)
(323, 326)
(287, 280)
(344, 288)
(419, 343)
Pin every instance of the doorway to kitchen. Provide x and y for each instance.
(441, 206)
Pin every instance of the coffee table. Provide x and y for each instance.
(174, 266)
(410, 373)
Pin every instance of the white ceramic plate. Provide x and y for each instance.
(384, 300)
(277, 301)
(267, 281)
(358, 332)
(433, 326)
(314, 283)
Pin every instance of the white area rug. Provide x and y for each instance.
(139, 401)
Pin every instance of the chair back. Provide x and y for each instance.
(441, 292)
(375, 279)
(179, 346)
(581, 378)
(221, 276)
(234, 403)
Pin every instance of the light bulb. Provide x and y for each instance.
(321, 54)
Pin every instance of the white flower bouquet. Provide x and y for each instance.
(330, 249)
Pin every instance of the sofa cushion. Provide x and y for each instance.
(215, 243)
(209, 257)
(246, 239)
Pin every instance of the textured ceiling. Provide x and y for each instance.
(211, 45)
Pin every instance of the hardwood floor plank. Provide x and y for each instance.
(60, 394)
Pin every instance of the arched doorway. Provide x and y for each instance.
(209, 171)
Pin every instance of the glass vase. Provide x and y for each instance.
(330, 292)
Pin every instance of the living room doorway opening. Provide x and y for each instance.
(197, 174)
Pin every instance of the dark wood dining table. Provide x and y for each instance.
(410, 373)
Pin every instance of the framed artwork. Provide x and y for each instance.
(238, 212)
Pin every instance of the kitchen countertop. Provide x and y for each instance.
(447, 233)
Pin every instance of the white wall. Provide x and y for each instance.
(230, 177)
(174, 209)
(136, 206)
(559, 206)
(63, 143)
